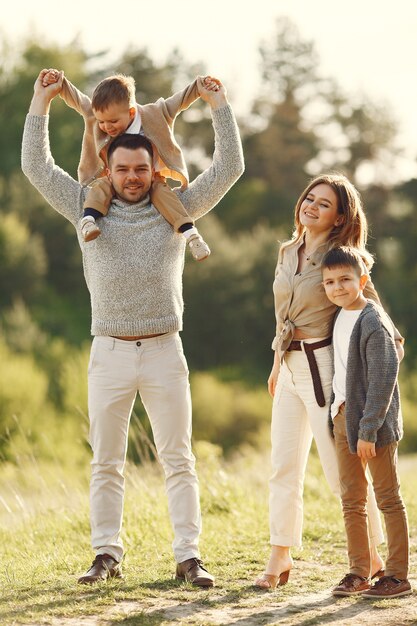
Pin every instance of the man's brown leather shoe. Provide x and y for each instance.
(103, 567)
(192, 571)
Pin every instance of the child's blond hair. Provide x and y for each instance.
(117, 89)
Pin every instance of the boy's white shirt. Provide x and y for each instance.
(135, 128)
(342, 332)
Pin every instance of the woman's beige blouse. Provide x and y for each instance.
(300, 299)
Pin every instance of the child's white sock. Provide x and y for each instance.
(189, 232)
(87, 218)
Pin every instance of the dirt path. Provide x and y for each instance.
(219, 609)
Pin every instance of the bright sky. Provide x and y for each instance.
(368, 45)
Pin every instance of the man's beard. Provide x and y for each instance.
(128, 199)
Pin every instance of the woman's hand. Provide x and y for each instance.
(273, 377)
(399, 345)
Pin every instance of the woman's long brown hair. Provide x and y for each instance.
(353, 231)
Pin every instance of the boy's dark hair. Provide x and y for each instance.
(342, 256)
(118, 89)
(130, 141)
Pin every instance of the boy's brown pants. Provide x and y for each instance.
(163, 199)
(353, 486)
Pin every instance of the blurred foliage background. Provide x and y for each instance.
(300, 124)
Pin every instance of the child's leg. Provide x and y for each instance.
(170, 207)
(383, 469)
(353, 487)
(96, 205)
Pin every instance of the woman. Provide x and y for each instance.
(328, 213)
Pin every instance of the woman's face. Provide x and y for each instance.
(319, 209)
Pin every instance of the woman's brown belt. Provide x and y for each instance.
(315, 374)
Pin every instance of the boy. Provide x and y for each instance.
(113, 111)
(365, 417)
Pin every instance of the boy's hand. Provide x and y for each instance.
(211, 83)
(50, 89)
(50, 77)
(212, 91)
(43, 95)
(365, 449)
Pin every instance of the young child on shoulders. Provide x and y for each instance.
(112, 111)
(365, 417)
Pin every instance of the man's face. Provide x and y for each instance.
(131, 173)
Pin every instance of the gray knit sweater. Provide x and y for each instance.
(373, 410)
(134, 269)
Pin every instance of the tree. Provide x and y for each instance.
(356, 136)
(394, 230)
(17, 76)
(229, 315)
(22, 261)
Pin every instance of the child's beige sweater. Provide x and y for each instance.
(157, 122)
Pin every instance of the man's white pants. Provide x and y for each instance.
(296, 419)
(157, 369)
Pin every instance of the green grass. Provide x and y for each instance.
(45, 545)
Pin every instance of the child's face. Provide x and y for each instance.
(344, 286)
(115, 119)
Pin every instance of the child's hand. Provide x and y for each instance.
(50, 77)
(212, 91)
(365, 449)
(46, 89)
(211, 83)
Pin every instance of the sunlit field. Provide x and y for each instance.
(45, 543)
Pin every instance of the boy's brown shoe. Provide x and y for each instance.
(350, 585)
(388, 587)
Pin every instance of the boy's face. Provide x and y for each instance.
(344, 286)
(115, 119)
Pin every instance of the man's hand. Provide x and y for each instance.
(44, 94)
(212, 91)
(211, 83)
(365, 449)
(51, 77)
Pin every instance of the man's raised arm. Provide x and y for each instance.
(227, 166)
(61, 191)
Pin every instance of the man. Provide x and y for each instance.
(134, 276)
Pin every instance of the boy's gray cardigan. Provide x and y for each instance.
(372, 406)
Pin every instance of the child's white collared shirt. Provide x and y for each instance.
(135, 127)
